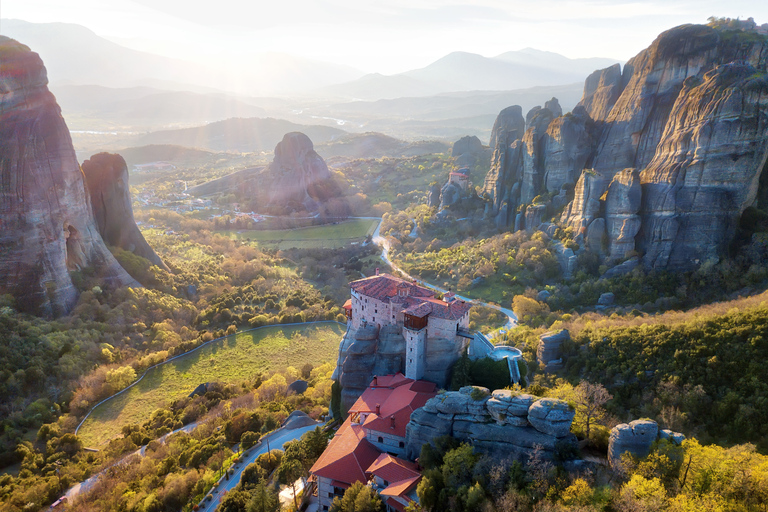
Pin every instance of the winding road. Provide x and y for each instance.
(384, 244)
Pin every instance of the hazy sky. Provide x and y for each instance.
(386, 36)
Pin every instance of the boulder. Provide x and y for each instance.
(552, 417)
(635, 438)
(550, 346)
(606, 299)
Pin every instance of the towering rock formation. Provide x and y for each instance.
(48, 227)
(297, 180)
(297, 173)
(107, 178)
(666, 155)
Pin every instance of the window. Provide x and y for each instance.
(330, 495)
(375, 310)
(401, 444)
(381, 439)
(411, 349)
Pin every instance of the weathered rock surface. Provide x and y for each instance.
(636, 438)
(567, 146)
(107, 178)
(449, 194)
(601, 90)
(369, 351)
(668, 153)
(550, 346)
(48, 227)
(503, 423)
(433, 196)
(504, 173)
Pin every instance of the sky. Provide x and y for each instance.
(384, 36)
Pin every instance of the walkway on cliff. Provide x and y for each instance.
(384, 244)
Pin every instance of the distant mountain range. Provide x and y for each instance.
(75, 55)
(461, 71)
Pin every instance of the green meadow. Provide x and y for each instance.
(234, 358)
(328, 236)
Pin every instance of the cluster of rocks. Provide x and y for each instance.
(637, 437)
(631, 169)
(48, 227)
(503, 423)
(370, 351)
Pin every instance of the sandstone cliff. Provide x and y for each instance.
(48, 227)
(107, 178)
(660, 159)
(503, 423)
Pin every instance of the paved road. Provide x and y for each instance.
(85, 485)
(384, 244)
(276, 441)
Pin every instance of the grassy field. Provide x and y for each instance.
(234, 358)
(328, 236)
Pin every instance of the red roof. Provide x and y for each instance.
(402, 487)
(348, 304)
(385, 286)
(400, 398)
(393, 469)
(347, 456)
(419, 302)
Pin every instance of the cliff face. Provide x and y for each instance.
(666, 155)
(368, 351)
(48, 228)
(107, 178)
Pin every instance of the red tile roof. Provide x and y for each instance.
(419, 302)
(348, 304)
(401, 487)
(399, 398)
(347, 456)
(385, 286)
(393, 469)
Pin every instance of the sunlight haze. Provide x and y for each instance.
(383, 37)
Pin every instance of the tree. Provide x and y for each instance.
(235, 501)
(289, 471)
(263, 499)
(590, 401)
(358, 498)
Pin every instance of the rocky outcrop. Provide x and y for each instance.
(502, 423)
(601, 90)
(567, 146)
(48, 229)
(468, 151)
(449, 194)
(107, 178)
(501, 179)
(636, 438)
(298, 176)
(369, 351)
(549, 352)
(622, 205)
(433, 196)
(665, 156)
